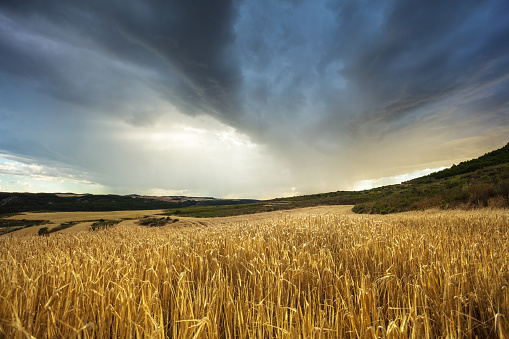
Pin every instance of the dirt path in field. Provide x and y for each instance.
(85, 219)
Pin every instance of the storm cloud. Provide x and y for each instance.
(250, 98)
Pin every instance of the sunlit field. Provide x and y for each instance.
(427, 274)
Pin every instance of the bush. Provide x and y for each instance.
(103, 224)
(497, 202)
(43, 231)
(63, 226)
(480, 194)
(155, 222)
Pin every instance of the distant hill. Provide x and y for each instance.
(475, 183)
(479, 182)
(494, 158)
(67, 202)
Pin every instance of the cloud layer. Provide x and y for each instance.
(255, 99)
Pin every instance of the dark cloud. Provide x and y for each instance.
(184, 43)
(192, 38)
(364, 64)
(397, 56)
(428, 51)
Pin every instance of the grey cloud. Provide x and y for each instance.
(427, 52)
(185, 44)
(192, 38)
(143, 119)
(270, 61)
(366, 63)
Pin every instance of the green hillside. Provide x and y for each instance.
(485, 187)
(479, 182)
(494, 158)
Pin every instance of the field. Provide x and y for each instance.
(81, 220)
(314, 273)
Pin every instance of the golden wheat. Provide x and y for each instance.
(412, 275)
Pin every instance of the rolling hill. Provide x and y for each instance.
(479, 182)
(68, 202)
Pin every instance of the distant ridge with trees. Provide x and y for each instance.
(493, 158)
(68, 202)
(480, 182)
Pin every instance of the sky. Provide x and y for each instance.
(246, 99)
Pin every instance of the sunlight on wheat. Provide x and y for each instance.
(412, 275)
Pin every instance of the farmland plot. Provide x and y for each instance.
(412, 275)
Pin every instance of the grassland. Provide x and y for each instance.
(432, 274)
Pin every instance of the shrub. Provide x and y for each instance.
(359, 208)
(103, 224)
(43, 231)
(497, 202)
(63, 226)
(479, 194)
(155, 222)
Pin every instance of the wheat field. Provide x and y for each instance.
(427, 274)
